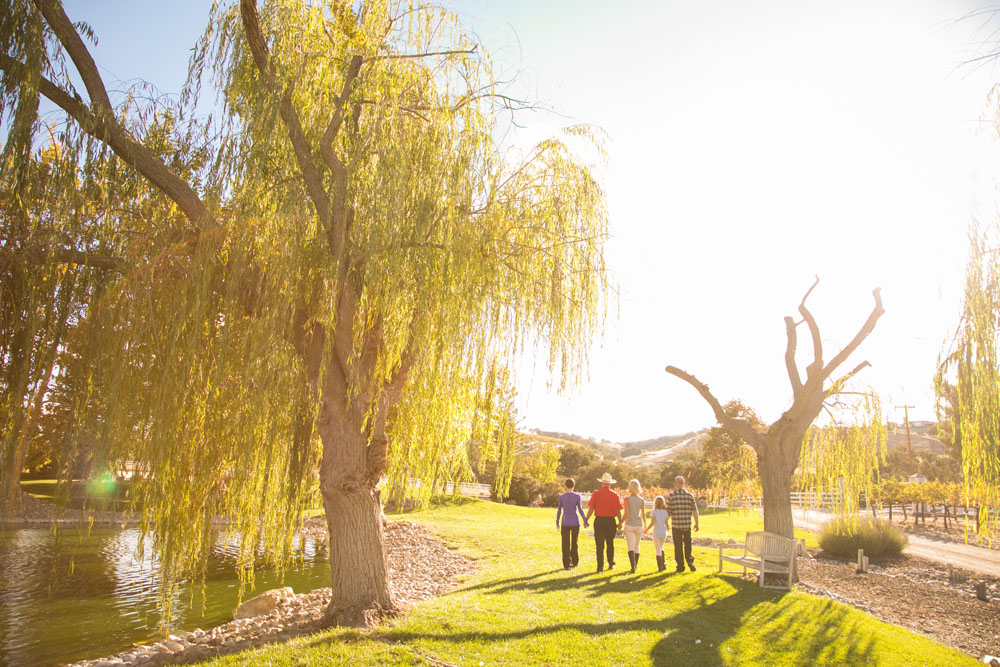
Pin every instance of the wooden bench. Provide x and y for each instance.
(765, 552)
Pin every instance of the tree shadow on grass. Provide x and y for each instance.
(713, 621)
(594, 583)
(739, 630)
(510, 583)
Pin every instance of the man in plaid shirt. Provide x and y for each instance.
(682, 506)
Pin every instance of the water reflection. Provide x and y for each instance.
(70, 596)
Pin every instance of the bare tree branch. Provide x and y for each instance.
(793, 370)
(740, 426)
(428, 54)
(817, 363)
(835, 387)
(863, 333)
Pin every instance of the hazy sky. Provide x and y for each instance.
(753, 146)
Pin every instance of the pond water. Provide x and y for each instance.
(73, 596)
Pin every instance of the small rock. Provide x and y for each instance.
(173, 646)
(264, 603)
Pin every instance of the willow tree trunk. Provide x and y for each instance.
(359, 575)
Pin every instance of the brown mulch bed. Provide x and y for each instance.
(913, 593)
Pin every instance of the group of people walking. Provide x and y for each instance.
(611, 512)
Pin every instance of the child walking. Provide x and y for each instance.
(635, 521)
(658, 522)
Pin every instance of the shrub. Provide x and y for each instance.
(523, 489)
(550, 493)
(843, 537)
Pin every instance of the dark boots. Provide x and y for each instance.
(633, 559)
(661, 564)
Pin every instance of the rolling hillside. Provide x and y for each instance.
(657, 456)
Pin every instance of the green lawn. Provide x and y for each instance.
(522, 608)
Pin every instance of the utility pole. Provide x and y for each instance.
(909, 446)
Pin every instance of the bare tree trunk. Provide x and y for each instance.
(775, 485)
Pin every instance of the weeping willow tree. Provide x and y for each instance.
(333, 277)
(842, 457)
(968, 381)
(779, 445)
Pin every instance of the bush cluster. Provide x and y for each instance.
(843, 537)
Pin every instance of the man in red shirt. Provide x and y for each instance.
(607, 505)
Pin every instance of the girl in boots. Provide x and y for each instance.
(658, 522)
(635, 521)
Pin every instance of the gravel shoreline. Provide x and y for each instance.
(420, 567)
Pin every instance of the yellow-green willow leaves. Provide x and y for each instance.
(970, 372)
(843, 458)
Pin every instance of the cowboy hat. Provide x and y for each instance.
(606, 479)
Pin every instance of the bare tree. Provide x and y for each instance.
(779, 444)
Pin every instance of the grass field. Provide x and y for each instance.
(521, 608)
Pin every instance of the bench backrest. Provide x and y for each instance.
(762, 543)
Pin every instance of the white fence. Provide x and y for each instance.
(813, 499)
(469, 489)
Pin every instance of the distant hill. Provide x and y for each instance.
(640, 452)
(606, 448)
(664, 441)
(675, 445)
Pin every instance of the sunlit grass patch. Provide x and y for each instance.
(522, 608)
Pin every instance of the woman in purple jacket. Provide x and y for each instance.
(569, 505)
